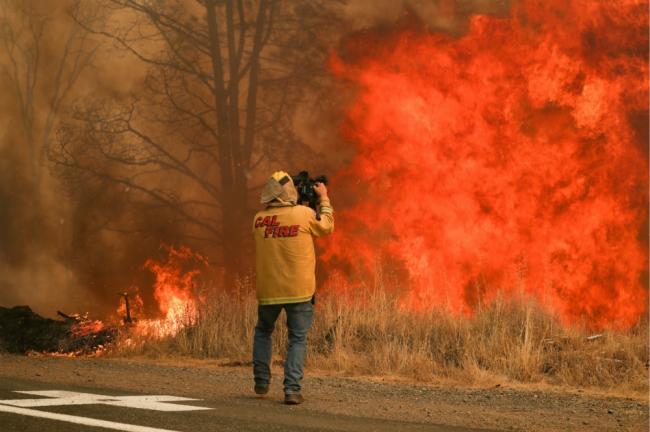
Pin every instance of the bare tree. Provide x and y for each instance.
(223, 79)
(40, 69)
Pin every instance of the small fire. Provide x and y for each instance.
(86, 328)
(175, 291)
(511, 159)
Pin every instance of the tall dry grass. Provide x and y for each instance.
(367, 333)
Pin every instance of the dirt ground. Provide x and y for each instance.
(498, 407)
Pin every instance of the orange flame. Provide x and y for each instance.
(175, 292)
(86, 328)
(511, 159)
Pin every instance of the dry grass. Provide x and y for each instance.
(368, 334)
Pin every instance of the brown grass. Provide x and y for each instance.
(368, 334)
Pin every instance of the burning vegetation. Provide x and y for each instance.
(176, 295)
(512, 159)
(175, 292)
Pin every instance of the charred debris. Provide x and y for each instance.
(23, 331)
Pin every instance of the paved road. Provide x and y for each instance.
(102, 409)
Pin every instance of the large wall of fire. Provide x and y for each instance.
(511, 159)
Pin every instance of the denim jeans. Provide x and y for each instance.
(299, 319)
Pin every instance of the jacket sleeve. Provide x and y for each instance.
(325, 225)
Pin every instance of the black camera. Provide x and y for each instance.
(305, 187)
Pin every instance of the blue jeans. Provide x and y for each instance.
(299, 319)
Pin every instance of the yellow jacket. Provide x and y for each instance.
(284, 251)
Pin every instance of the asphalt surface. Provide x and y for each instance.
(246, 413)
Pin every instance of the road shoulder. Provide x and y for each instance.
(499, 408)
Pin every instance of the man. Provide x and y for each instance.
(285, 262)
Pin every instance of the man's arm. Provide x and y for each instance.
(325, 225)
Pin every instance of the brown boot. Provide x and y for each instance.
(261, 389)
(293, 399)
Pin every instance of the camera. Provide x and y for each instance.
(305, 187)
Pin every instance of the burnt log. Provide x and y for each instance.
(67, 318)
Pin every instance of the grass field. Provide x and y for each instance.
(369, 334)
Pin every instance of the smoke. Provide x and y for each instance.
(442, 15)
(48, 259)
(32, 221)
(43, 283)
(69, 237)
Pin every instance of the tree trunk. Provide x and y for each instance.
(232, 241)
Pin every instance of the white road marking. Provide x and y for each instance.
(60, 397)
(81, 420)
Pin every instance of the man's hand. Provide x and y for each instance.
(321, 190)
